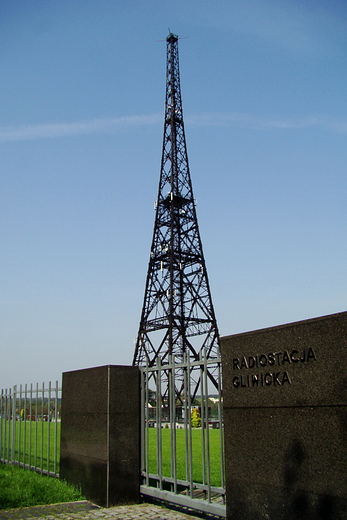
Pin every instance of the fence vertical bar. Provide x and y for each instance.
(142, 418)
(55, 427)
(2, 422)
(30, 428)
(13, 432)
(157, 437)
(19, 421)
(7, 425)
(191, 486)
(171, 393)
(43, 393)
(207, 430)
(146, 425)
(169, 397)
(36, 423)
(184, 410)
(49, 426)
(159, 432)
(25, 425)
(142, 421)
(9, 409)
(2, 413)
(174, 449)
(202, 423)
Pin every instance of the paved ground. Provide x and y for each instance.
(87, 510)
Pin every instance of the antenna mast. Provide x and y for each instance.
(177, 314)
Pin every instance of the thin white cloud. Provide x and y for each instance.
(236, 119)
(108, 125)
(50, 130)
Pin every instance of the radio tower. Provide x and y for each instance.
(177, 315)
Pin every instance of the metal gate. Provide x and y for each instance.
(182, 451)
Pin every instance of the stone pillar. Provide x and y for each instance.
(285, 421)
(100, 448)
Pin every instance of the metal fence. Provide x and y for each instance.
(182, 450)
(30, 427)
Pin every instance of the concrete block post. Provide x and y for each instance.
(100, 441)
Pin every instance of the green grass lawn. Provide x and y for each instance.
(32, 434)
(38, 457)
(215, 462)
(23, 488)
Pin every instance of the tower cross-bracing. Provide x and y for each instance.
(177, 314)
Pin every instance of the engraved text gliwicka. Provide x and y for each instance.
(272, 360)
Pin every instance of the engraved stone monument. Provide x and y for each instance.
(285, 421)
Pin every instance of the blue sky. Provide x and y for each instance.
(82, 101)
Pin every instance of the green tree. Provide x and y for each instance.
(196, 420)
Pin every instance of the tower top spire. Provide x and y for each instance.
(172, 38)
